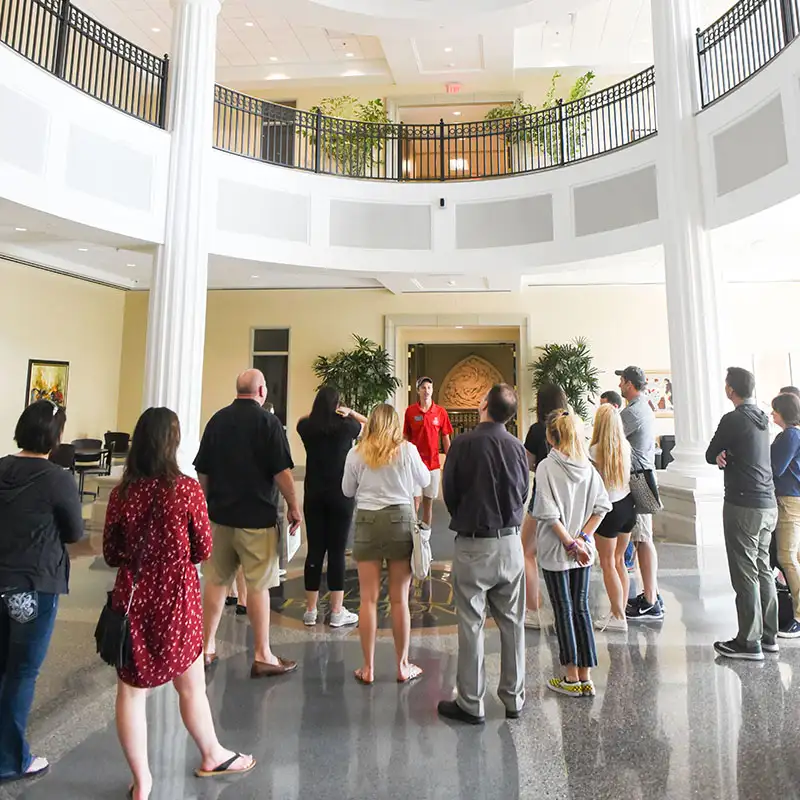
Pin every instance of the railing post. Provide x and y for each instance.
(59, 65)
(441, 149)
(400, 152)
(561, 137)
(788, 21)
(700, 78)
(162, 100)
(318, 140)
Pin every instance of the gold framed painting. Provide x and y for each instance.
(659, 391)
(47, 380)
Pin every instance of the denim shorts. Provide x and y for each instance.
(386, 534)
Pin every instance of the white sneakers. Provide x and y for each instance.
(342, 618)
(310, 617)
(338, 620)
(537, 620)
(611, 623)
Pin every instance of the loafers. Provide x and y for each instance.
(450, 709)
(262, 670)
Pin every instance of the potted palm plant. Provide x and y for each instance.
(364, 375)
(570, 366)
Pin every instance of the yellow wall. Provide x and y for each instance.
(54, 317)
(321, 323)
(624, 324)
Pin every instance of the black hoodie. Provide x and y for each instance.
(744, 437)
(40, 512)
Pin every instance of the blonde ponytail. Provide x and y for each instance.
(564, 431)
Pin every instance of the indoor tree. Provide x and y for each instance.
(570, 366)
(364, 376)
(545, 130)
(354, 148)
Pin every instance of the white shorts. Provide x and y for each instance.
(643, 529)
(432, 489)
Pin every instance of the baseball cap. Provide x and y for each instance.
(633, 374)
(424, 379)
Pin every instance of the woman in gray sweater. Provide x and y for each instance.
(571, 501)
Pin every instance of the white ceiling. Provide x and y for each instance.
(321, 42)
(761, 248)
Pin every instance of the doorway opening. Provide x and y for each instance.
(462, 373)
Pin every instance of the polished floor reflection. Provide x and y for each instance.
(668, 721)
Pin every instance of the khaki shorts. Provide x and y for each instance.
(384, 535)
(255, 549)
(643, 529)
(431, 491)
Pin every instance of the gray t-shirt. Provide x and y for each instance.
(639, 423)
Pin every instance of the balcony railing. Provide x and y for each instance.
(76, 48)
(742, 42)
(567, 132)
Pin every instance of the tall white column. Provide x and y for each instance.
(693, 282)
(177, 314)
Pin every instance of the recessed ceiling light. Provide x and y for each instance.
(277, 76)
(248, 24)
(351, 73)
(448, 49)
(130, 265)
(21, 230)
(83, 249)
(451, 65)
(459, 327)
(156, 30)
(349, 55)
(456, 113)
(273, 58)
(254, 276)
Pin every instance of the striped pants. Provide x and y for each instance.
(569, 595)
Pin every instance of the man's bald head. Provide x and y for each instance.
(250, 385)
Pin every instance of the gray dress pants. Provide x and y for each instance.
(490, 572)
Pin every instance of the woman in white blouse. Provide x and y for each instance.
(381, 472)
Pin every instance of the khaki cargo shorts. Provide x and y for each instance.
(255, 549)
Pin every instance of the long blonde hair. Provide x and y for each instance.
(612, 456)
(380, 443)
(564, 430)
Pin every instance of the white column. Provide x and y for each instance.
(177, 314)
(692, 281)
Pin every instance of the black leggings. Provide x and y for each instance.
(328, 522)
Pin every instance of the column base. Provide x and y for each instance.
(692, 511)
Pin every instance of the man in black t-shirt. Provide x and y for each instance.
(242, 464)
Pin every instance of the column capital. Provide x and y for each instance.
(211, 5)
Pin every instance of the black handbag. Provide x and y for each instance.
(113, 632)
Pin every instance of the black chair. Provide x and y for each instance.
(64, 456)
(117, 443)
(90, 459)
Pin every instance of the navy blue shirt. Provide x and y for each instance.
(785, 455)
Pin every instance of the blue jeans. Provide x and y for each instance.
(23, 647)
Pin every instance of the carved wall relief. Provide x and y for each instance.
(467, 383)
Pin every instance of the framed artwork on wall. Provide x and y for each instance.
(659, 391)
(47, 380)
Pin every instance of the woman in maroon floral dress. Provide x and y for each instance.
(157, 525)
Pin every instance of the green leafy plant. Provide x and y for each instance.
(570, 366)
(547, 128)
(364, 375)
(354, 148)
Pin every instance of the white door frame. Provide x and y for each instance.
(393, 323)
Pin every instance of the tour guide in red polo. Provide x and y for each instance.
(424, 423)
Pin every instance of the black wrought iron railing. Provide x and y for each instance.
(76, 48)
(742, 42)
(567, 132)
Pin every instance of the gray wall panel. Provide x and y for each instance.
(527, 220)
(252, 210)
(380, 226)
